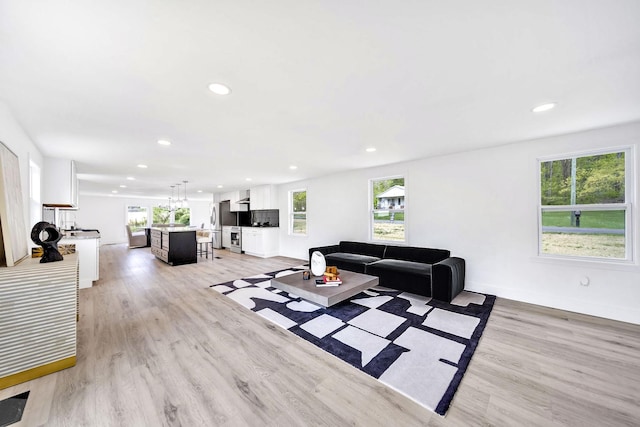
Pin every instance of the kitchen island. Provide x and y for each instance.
(88, 249)
(174, 245)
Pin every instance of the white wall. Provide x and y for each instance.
(482, 206)
(109, 214)
(13, 136)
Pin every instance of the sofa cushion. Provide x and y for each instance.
(395, 265)
(359, 248)
(408, 276)
(348, 261)
(410, 253)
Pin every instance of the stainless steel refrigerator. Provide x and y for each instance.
(216, 224)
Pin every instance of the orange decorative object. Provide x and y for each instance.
(331, 272)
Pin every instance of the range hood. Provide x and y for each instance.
(244, 197)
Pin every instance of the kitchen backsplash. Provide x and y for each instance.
(266, 218)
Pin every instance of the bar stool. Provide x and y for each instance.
(204, 237)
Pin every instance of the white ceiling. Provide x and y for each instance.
(314, 82)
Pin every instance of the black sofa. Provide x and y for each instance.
(423, 271)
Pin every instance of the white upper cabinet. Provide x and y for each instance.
(264, 197)
(233, 197)
(60, 183)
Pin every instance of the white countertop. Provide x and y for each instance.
(81, 235)
(174, 229)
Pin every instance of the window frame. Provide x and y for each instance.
(371, 211)
(292, 214)
(626, 206)
(35, 191)
(127, 212)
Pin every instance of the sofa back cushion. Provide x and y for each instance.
(411, 253)
(362, 248)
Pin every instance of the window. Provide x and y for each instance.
(34, 182)
(161, 215)
(585, 209)
(137, 217)
(164, 215)
(298, 213)
(182, 216)
(388, 209)
(35, 208)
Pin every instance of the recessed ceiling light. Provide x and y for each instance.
(293, 167)
(219, 185)
(544, 107)
(370, 149)
(164, 142)
(199, 191)
(114, 191)
(219, 89)
(142, 166)
(130, 178)
(123, 186)
(248, 179)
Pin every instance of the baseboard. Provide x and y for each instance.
(37, 372)
(599, 309)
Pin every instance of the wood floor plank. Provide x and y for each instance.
(157, 346)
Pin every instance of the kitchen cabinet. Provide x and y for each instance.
(174, 245)
(38, 321)
(251, 240)
(88, 250)
(262, 242)
(233, 197)
(226, 237)
(264, 197)
(59, 183)
(227, 196)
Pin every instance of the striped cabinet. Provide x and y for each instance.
(38, 319)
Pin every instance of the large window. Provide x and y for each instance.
(298, 213)
(35, 208)
(585, 206)
(388, 209)
(137, 217)
(164, 215)
(161, 215)
(182, 216)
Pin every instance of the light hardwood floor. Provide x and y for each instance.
(157, 346)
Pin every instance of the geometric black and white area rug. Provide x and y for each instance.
(416, 345)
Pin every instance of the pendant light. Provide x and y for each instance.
(171, 206)
(185, 202)
(179, 200)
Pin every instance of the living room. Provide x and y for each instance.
(499, 240)
(480, 200)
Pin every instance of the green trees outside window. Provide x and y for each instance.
(584, 207)
(183, 216)
(298, 212)
(162, 215)
(583, 180)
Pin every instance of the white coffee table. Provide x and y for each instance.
(352, 284)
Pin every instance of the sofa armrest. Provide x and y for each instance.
(324, 250)
(447, 278)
